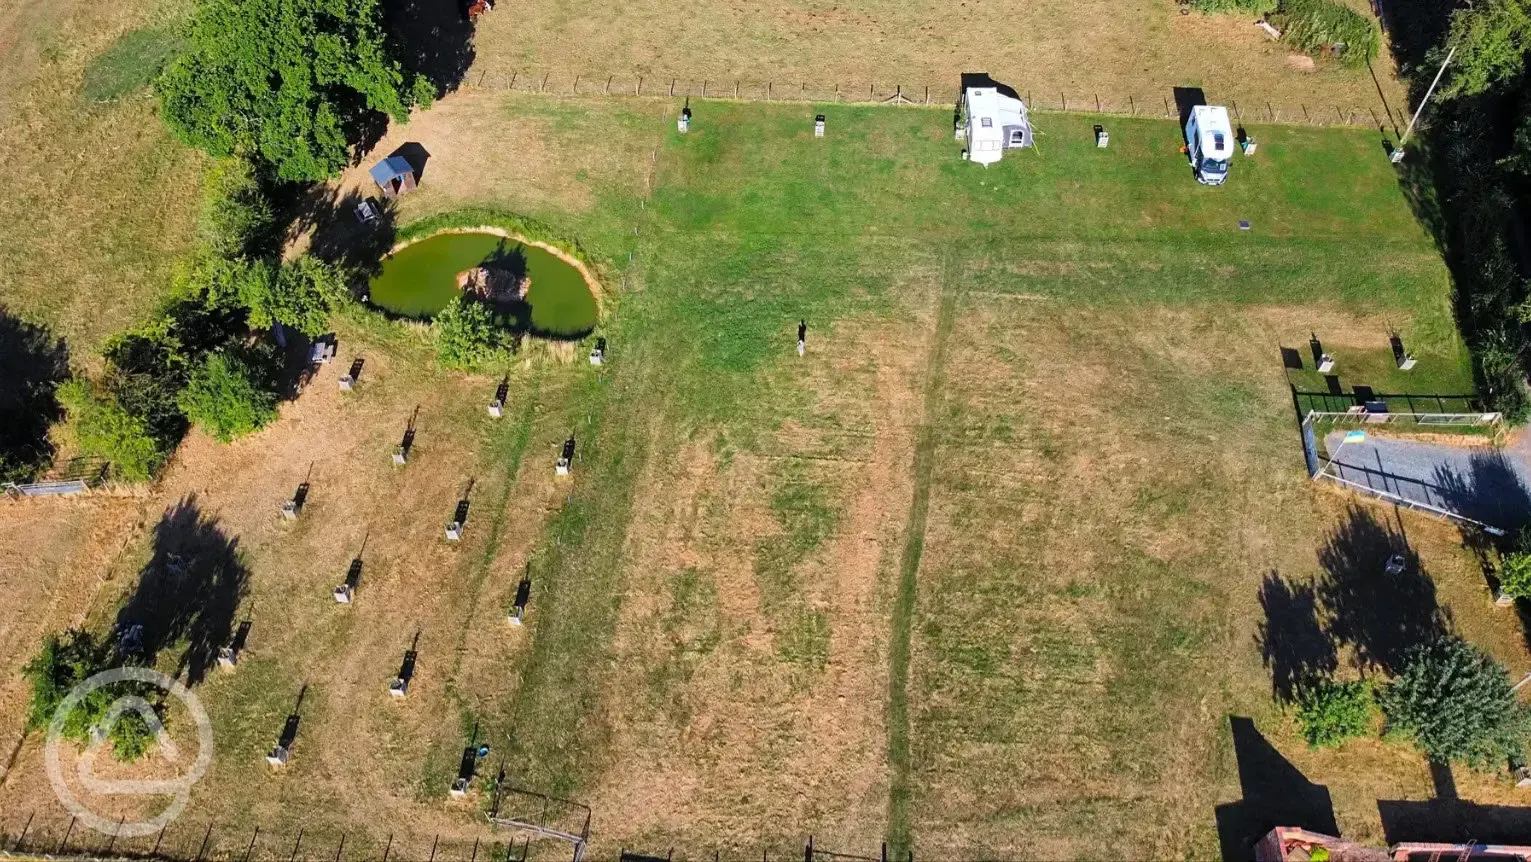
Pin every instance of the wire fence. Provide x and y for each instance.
(39, 834)
(1161, 105)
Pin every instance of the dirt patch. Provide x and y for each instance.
(1301, 62)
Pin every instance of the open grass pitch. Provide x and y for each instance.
(980, 575)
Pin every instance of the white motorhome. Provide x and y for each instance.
(994, 121)
(1209, 143)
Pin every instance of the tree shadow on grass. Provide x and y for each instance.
(189, 592)
(32, 364)
(1490, 490)
(436, 39)
(343, 238)
(1292, 638)
(1450, 819)
(1381, 616)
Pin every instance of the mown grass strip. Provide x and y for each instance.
(900, 834)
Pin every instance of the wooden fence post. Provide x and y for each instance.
(112, 843)
(65, 842)
(205, 837)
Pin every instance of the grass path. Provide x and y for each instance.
(507, 451)
(900, 839)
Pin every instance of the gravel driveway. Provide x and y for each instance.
(1480, 482)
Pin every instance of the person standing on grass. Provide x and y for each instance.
(802, 336)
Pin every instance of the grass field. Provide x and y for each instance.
(100, 200)
(1054, 49)
(981, 575)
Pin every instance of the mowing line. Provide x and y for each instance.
(900, 837)
(512, 463)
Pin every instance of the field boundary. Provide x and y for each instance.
(562, 82)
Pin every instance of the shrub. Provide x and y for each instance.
(232, 393)
(1331, 712)
(1313, 25)
(1455, 702)
(1239, 7)
(66, 661)
(108, 430)
(1502, 377)
(466, 334)
(237, 219)
(1515, 566)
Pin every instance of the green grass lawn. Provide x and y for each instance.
(978, 576)
(1040, 634)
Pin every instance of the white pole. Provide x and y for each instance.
(1333, 456)
(1426, 99)
(1521, 683)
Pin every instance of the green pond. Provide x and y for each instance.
(420, 279)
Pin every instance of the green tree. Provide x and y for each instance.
(237, 218)
(1490, 38)
(232, 392)
(1455, 702)
(108, 430)
(1331, 712)
(1515, 566)
(299, 294)
(466, 334)
(287, 81)
(64, 662)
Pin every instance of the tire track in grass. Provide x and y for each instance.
(900, 791)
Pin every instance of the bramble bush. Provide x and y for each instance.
(68, 660)
(1331, 712)
(467, 334)
(106, 429)
(237, 219)
(1311, 26)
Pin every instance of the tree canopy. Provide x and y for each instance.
(291, 82)
(1490, 39)
(299, 294)
(1456, 702)
(232, 392)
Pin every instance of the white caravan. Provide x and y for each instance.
(996, 121)
(1209, 142)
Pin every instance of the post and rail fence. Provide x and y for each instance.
(1160, 105)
